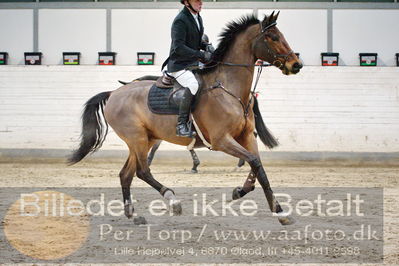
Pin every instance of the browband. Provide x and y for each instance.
(268, 27)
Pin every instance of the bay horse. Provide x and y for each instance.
(224, 112)
(194, 156)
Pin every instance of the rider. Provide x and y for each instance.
(185, 51)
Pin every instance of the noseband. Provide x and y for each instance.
(279, 60)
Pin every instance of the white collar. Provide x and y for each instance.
(194, 15)
(196, 19)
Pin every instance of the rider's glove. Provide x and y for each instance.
(210, 48)
(205, 57)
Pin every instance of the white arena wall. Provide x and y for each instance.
(84, 30)
(321, 109)
(17, 37)
(69, 30)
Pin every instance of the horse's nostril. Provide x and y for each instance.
(297, 66)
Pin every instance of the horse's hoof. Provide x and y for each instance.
(139, 220)
(194, 171)
(236, 193)
(288, 220)
(176, 207)
(129, 210)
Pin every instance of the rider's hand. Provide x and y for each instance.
(205, 57)
(210, 48)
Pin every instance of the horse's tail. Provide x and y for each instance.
(263, 132)
(94, 128)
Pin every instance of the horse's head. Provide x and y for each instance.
(271, 46)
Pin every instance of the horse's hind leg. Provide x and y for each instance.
(196, 161)
(126, 177)
(144, 173)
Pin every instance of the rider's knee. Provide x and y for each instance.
(193, 87)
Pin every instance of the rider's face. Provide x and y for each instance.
(196, 4)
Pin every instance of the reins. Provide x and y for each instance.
(276, 59)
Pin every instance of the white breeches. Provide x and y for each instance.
(187, 79)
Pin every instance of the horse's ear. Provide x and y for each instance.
(264, 21)
(276, 16)
(268, 19)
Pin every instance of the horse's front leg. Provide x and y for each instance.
(152, 152)
(248, 141)
(249, 185)
(230, 146)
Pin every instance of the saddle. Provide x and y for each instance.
(164, 96)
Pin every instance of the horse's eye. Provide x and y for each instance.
(274, 37)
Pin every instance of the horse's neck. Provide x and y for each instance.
(238, 79)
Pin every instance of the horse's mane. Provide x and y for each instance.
(227, 37)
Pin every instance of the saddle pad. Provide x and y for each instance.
(158, 101)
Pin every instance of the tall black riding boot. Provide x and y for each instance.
(182, 130)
